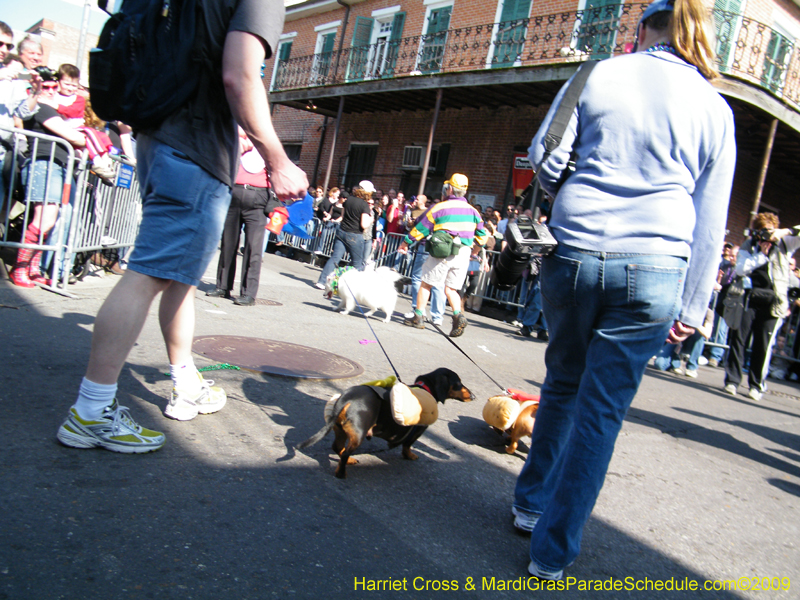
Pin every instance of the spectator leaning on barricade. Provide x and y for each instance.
(763, 270)
(456, 217)
(639, 225)
(44, 180)
(181, 226)
(250, 204)
(356, 217)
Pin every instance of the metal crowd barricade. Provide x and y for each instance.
(105, 216)
(323, 235)
(93, 215)
(17, 213)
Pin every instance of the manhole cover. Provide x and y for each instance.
(277, 358)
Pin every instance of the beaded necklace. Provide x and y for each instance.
(662, 47)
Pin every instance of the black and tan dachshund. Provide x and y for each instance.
(363, 411)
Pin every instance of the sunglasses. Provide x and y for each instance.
(49, 86)
(9, 46)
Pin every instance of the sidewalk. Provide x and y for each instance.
(703, 486)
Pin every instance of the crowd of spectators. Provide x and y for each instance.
(52, 102)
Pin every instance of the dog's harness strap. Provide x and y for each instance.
(449, 339)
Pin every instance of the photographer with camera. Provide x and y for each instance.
(639, 225)
(763, 269)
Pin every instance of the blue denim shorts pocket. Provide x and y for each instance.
(559, 280)
(654, 292)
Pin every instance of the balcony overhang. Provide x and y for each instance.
(490, 88)
(754, 108)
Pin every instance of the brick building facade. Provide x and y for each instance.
(496, 67)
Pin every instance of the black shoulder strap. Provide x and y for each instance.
(565, 109)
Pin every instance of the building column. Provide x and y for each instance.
(424, 175)
(333, 143)
(762, 177)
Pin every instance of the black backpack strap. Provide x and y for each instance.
(565, 109)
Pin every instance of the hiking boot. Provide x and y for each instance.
(713, 362)
(115, 430)
(185, 407)
(459, 325)
(415, 321)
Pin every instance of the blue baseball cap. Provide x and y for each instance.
(656, 7)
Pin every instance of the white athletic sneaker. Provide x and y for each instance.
(754, 394)
(115, 430)
(541, 573)
(185, 407)
(524, 521)
(730, 389)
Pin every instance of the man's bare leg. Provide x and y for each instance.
(176, 316)
(453, 298)
(119, 323)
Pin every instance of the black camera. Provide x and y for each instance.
(46, 74)
(525, 239)
(762, 235)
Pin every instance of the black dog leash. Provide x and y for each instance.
(449, 339)
(377, 339)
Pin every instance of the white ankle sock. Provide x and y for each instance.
(93, 398)
(184, 377)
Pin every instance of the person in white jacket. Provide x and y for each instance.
(763, 262)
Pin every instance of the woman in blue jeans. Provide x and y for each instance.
(640, 225)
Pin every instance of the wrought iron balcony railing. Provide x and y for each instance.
(746, 49)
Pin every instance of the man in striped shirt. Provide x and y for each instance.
(458, 218)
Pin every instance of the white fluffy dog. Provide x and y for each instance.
(376, 290)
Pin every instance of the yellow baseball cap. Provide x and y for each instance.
(458, 181)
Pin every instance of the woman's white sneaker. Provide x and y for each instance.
(185, 407)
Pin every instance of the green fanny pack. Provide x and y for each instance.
(442, 245)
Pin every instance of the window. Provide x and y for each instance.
(360, 164)
(510, 34)
(727, 21)
(376, 41)
(434, 41)
(776, 60)
(597, 30)
(281, 70)
(323, 53)
(293, 152)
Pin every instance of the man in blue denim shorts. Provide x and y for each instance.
(185, 174)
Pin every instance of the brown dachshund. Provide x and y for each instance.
(361, 412)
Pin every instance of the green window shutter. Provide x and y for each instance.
(285, 51)
(362, 32)
(439, 20)
(514, 10)
(511, 32)
(327, 43)
(359, 53)
(397, 26)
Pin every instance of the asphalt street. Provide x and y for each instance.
(703, 489)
